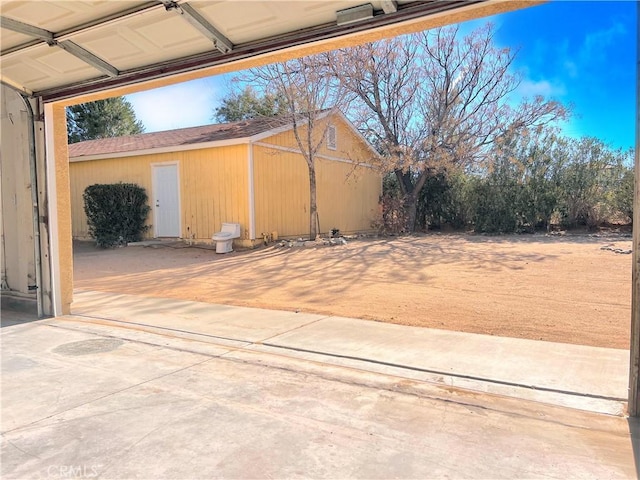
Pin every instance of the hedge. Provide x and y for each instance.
(116, 213)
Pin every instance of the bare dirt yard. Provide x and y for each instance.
(572, 289)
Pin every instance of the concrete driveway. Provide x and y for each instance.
(106, 397)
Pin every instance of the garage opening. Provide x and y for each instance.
(515, 288)
(114, 79)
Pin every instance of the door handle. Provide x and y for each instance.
(157, 203)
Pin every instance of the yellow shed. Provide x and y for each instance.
(250, 172)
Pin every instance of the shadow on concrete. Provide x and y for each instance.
(634, 433)
(9, 319)
(17, 310)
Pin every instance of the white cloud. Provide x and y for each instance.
(596, 43)
(182, 105)
(530, 88)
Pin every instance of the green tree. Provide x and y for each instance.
(112, 117)
(496, 198)
(248, 104)
(443, 201)
(623, 195)
(589, 182)
(537, 157)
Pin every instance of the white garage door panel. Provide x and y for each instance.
(129, 42)
(11, 39)
(44, 64)
(268, 18)
(61, 15)
(141, 41)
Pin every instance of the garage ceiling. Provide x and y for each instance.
(61, 49)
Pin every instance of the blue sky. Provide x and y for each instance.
(582, 53)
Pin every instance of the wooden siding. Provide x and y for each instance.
(213, 187)
(348, 193)
(348, 196)
(215, 190)
(281, 192)
(350, 146)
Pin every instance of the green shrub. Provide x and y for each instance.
(434, 202)
(116, 213)
(589, 183)
(540, 163)
(623, 194)
(392, 217)
(443, 202)
(495, 206)
(523, 184)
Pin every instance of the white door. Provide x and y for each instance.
(166, 200)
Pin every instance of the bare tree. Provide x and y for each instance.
(310, 94)
(432, 102)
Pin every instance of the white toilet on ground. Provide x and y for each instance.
(224, 238)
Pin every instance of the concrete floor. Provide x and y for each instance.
(146, 388)
(588, 378)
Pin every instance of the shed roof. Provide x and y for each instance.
(176, 138)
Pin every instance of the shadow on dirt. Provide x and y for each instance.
(332, 268)
(556, 288)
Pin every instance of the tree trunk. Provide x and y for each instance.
(313, 206)
(410, 188)
(410, 205)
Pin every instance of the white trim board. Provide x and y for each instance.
(252, 202)
(52, 202)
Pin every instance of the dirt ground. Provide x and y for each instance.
(557, 288)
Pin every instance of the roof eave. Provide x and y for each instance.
(167, 149)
